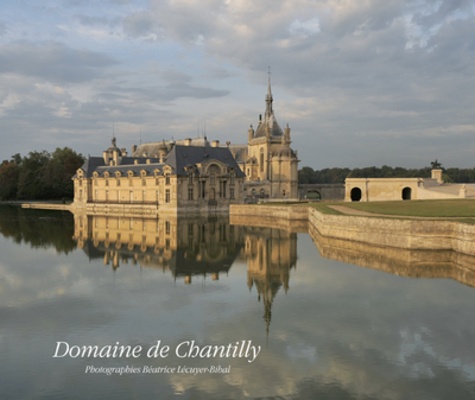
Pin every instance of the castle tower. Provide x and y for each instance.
(272, 166)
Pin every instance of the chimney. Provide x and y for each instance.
(115, 156)
(134, 149)
(187, 142)
(215, 143)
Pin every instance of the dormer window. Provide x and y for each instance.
(143, 174)
(117, 177)
(156, 174)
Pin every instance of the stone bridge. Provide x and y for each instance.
(322, 191)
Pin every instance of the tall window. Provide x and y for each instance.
(167, 196)
(167, 179)
(224, 188)
(261, 162)
(190, 193)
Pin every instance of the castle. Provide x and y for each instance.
(192, 174)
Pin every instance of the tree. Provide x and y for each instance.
(9, 173)
(58, 172)
(30, 184)
(306, 175)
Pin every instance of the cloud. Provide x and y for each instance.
(383, 72)
(52, 61)
(140, 24)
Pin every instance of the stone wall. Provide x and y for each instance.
(292, 218)
(382, 189)
(416, 234)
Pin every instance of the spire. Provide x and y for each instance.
(267, 122)
(269, 98)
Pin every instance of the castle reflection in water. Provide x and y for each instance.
(208, 247)
(192, 247)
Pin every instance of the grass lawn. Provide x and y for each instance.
(419, 208)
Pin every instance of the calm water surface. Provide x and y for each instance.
(327, 330)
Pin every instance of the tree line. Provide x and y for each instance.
(307, 175)
(40, 175)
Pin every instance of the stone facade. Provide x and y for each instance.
(187, 178)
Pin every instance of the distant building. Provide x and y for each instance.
(191, 174)
(388, 189)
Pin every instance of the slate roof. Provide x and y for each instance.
(127, 163)
(178, 158)
(271, 122)
(90, 165)
(183, 156)
(135, 168)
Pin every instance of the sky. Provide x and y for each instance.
(360, 83)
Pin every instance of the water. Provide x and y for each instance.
(326, 329)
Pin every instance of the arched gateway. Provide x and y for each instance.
(355, 194)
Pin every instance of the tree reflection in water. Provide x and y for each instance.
(38, 228)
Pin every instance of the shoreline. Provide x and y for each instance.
(426, 233)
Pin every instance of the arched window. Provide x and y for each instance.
(213, 172)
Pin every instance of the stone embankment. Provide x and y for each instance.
(385, 232)
(291, 218)
(47, 206)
